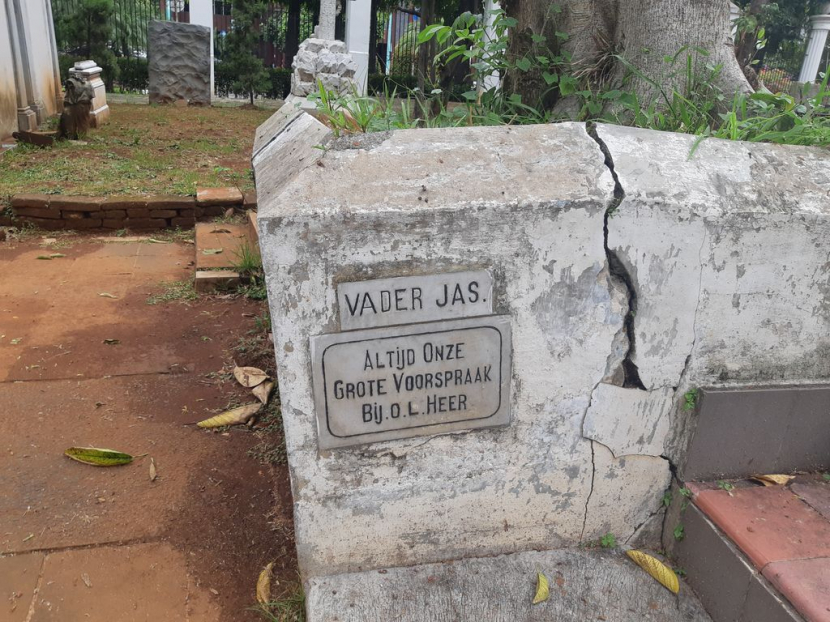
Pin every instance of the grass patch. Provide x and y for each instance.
(181, 291)
(289, 608)
(249, 265)
(142, 150)
(270, 448)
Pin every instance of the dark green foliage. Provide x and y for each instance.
(88, 32)
(134, 75)
(249, 74)
(276, 86)
(380, 83)
(280, 83)
(66, 62)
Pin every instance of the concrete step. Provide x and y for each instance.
(585, 586)
(760, 554)
(218, 254)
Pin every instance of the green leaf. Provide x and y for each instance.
(538, 38)
(98, 457)
(523, 64)
(509, 22)
(567, 85)
(550, 78)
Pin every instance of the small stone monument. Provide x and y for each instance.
(89, 71)
(76, 117)
(322, 58)
(179, 63)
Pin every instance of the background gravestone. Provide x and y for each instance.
(179, 63)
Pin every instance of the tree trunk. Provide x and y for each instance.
(641, 31)
(649, 30)
(292, 32)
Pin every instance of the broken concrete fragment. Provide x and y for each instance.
(618, 481)
(629, 421)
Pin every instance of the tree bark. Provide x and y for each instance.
(641, 31)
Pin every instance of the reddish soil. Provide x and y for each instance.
(214, 516)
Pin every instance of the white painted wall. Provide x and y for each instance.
(28, 65)
(201, 13)
(358, 25)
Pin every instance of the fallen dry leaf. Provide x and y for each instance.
(657, 569)
(112, 342)
(234, 416)
(98, 457)
(263, 391)
(152, 470)
(263, 585)
(211, 251)
(85, 579)
(773, 480)
(542, 589)
(107, 295)
(249, 377)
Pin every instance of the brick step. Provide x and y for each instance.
(760, 554)
(219, 270)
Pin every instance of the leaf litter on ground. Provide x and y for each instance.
(235, 416)
(263, 585)
(97, 456)
(542, 589)
(263, 391)
(656, 569)
(249, 377)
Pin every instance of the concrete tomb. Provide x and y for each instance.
(484, 335)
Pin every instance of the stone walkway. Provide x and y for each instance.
(79, 542)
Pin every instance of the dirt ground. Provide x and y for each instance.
(82, 542)
(142, 150)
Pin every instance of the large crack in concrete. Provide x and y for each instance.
(618, 270)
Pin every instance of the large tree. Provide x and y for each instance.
(643, 32)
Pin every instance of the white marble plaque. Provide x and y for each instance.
(419, 380)
(411, 299)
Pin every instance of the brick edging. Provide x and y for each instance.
(58, 212)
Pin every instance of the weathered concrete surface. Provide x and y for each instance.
(179, 62)
(728, 255)
(527, 203)
(584, 585)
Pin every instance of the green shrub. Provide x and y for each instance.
(280, 80)
(65, 63)
(134, 75)
(380, 83)
(223, 79)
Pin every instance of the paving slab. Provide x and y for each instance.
(584, 585)
(817, 496)
(18, 581)
(805, 583)
(129, 583)
(769, 524)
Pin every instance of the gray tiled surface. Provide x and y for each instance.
(742, 432)
(764, 604)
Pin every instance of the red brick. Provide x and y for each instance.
(113, 223)
(137, 212)
(163, 213)
(77, 204)
(30, 200)
(46, 223)
(171, 202)
(249, 199)
(37, 212)
(146, 223)
(5, 221)
(187, 213)
(219, 196)
(184, 223)
(769, 524)
(114, 213)
(125, 202)
(69, 215)
(86, 223)
(805, 584)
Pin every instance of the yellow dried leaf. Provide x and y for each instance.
(152, 470)
(263, 585)
(249, 377)
(542, 589)
(263, 391)
(657, 569)
(234, 416)
(98, 457)
(773, 480)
